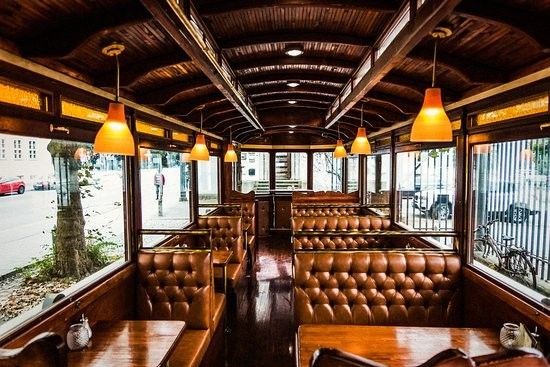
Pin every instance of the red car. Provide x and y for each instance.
(10, 185)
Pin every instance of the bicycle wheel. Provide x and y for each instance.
(519, 266)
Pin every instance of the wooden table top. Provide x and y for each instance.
(221, 257)
(129, 343)
(394, 346)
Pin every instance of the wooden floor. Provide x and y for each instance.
(260, 315)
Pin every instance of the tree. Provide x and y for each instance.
(70, 254)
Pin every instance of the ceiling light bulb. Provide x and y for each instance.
(292, 126)
(293, 84)
(292, 102)
(294, 50)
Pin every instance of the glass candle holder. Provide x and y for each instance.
(509, 334)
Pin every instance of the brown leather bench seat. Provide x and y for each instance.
(347, 239)
(377, 288)
(176, 284)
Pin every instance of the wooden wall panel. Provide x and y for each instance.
(487, 305)
(263, 217)
(112, 299)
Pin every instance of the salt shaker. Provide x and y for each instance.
(84, 321)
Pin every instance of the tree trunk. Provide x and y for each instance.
(71, 257)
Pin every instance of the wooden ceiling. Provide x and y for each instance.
(492, 42)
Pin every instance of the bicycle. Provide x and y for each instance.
(513, 260)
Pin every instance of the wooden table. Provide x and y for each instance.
(220, 259)
(394, 346)
(129, 343)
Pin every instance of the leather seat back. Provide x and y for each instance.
(175, 285)
(227, 234)
(324, 211)
(377, 288)
(342, 223)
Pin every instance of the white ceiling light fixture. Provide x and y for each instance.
(293, 83)
(292, 101)
(294, 50)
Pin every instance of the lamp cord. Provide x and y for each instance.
(117, 78)
(201, 124)
(434, 63)
(362, 107)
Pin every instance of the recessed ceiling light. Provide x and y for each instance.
(292, 101)
(291, 132)
(292, 126)
(293, 83)
(294, 50)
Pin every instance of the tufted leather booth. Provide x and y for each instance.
(377, 288)
(175, 285)
(341, 241)
(324, 197)
(227, 234)
(324, 210)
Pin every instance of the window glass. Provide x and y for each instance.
(511, 209)
(255, 171)
(2, 148)
(208, 183)
(426, 185)
(17, 151)
(164, 178)
(378, 182)
(353, 172)
(290, 171)
(62, 223)
(327, 172)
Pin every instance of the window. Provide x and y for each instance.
(2, 148)
(290, 171)
(17, 151)
(208, 182)
(327, 172)
(378, 182)
(62, 235)
(353, 172)
(426, 185)
(255, 172)
(32, 149)
(164, 178)
(511, 209)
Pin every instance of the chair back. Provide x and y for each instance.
(44, 350)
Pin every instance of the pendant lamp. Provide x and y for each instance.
(361, 143)
(200, 151)
(432, 123)
(114, 136)
(230, 155)
(340, 150)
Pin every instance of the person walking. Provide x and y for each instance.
(159, 181)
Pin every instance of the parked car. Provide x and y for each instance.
(44, 185)
(435, 202)
(9, 185)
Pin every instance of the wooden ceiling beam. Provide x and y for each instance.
(427, 17)
(418, 86)
(402, 105)
(281, 88)
(224, 6)
(175, 20)
(291, 95)
(300, 99)
(166, 95)
(370, 110)
(285, 61)
(132, 72)
(79, 29)
(534, 26)
(283, 76)
(194, 104)
(274, 105)
(469, 70)
(208, 120)
(296, 36)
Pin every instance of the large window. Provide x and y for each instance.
(426, 190)
(327, 172)
(164, 191)
(208, 182)
(378, 182)
(255, 171)
(61, 220)
(511, 212)
(353, 173)
(290, 171)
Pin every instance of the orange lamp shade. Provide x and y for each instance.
(361, 143)
(115, 136)
(230, 155)
(200, 151)
(431, 123)
(340, 150)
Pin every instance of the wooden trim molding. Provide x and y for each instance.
(539, 316)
